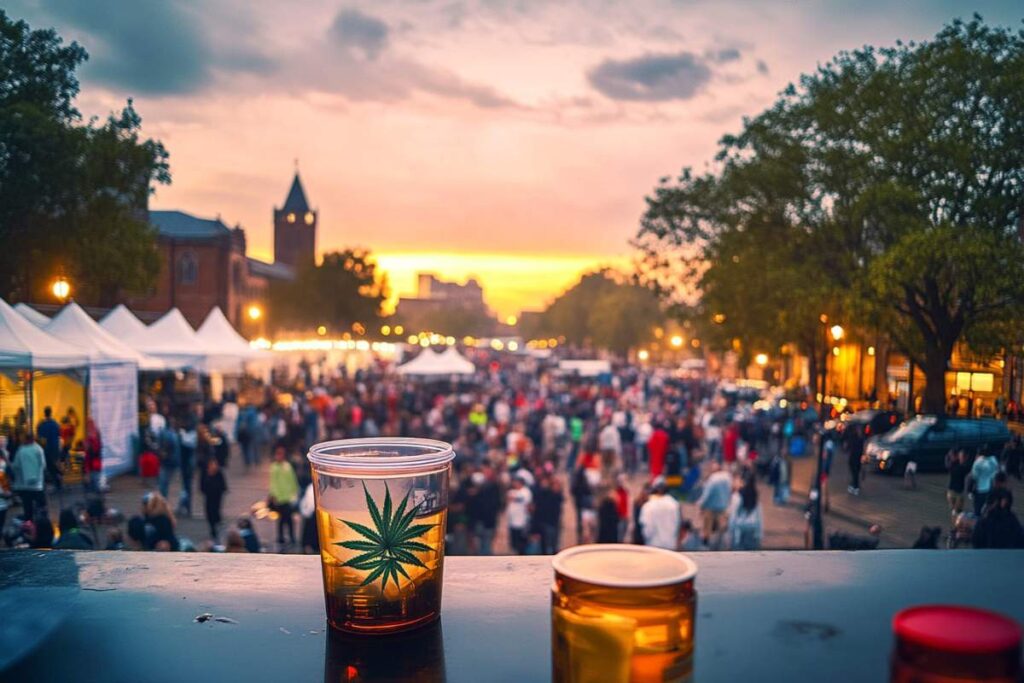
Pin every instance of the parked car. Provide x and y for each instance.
(872, 422)
(926, 439)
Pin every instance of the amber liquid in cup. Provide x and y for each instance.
(382, 509)
(622, 613)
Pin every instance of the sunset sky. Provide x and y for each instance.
(510, 139)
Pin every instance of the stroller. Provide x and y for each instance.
(962, 531)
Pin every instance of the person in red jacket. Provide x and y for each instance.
(730, 442)
(93, 464)
(657, 448)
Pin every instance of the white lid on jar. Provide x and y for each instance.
(621, 565)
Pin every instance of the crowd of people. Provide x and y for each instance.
(538, 454)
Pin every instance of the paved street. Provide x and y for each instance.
(884, 500)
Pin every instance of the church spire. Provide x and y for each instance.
(296, 200)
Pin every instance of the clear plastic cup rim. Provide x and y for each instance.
(381, 455)
(687, 568)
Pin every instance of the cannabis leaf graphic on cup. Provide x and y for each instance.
(390, 544)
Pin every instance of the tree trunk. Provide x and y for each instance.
(934, 400)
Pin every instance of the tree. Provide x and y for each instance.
(72, 196)
(345, 289)
(603, 310)
(897, 174)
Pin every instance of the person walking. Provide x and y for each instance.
(714, 505)
(517, 514)
(48, 436)
(93, 462)
(483, 508)
(284, 491)
(983, 472)
(548, 513)
(854, 452)
(999, 527)
(608, 518)
(213, 486)
(746, 523)
(29, 476)
(661, 518)
(170, 457)
(959, 468)
(188, 442)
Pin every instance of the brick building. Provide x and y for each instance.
(204, 262)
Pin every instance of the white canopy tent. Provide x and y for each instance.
(123, 324)
(23, 345)
(173, 341)
(31, 314)
(455, 363)
(585, 368)
(112, 386)
(227, 350)
(432, 364)
(423, 364)
(74, 325)
(25, 350)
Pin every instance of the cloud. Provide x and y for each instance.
(727, 54)
(651, 77)
(362, 32)
(149, 46)
(762, 67)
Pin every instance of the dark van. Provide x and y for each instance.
(926, 440)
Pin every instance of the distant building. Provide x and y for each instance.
(204, 262)
(439, 304)
(295, 229)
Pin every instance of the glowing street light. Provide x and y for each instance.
(761, 359)
(511, 320)
(254, 312)
(61, 288)
(718, 318)
(676, 341)
(399, 330)
(837, 332)
(643, 354)
(322, 330)
(385, 330)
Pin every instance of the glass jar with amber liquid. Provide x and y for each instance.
(381, 512)
(622, 614)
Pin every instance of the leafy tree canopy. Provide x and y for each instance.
(73, 196)
(885, 189)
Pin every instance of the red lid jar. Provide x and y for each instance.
(948, 643)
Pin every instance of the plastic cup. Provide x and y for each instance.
(381, 513)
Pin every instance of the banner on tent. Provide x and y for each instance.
(113, 404)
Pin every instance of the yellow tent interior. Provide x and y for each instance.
(57, 390)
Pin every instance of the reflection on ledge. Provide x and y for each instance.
(414, 656)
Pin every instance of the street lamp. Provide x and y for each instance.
(761, 359)
(676, 341)
(61, 288)
(254, 312)
(836, 332)
(643, 354)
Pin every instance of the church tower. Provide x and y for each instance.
(295, 229)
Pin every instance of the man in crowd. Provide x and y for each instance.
(714, 505)
(661, 518)
(48, 435)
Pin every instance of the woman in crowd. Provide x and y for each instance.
(746, 524)
(160, 522)
(284, 492)
(213, 486)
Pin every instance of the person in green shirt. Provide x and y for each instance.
(284, 491)
(576, 437)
